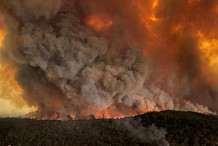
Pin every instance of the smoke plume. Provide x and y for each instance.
(113, 58)
(151, 134)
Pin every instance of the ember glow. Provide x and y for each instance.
(209, 56)
(110, 59)
(2, 35)
(99, 24)
(2, 32)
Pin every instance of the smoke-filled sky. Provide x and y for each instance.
(111, 58)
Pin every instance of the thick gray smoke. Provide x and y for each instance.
(66, 69)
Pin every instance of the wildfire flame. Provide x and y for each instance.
(146, 13)
(11, 94)
(209, 56)
(172, 38)
(153, 10)
(99, 24)
(2, 33)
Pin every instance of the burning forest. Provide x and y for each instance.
(108, 59)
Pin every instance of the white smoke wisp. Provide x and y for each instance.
(151, 134)
(67, 69)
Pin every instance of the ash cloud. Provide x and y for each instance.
(65, 68)
(34, 9)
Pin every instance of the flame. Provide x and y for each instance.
(163, 32)
(153, 10)
(2, 33)
(148, 22)
(99, 23)
(2, 36)
(209, 56)
(108, 113)
(113, 112)
(146, 14)
(11, 95)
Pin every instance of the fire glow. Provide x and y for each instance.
(99, 24)
(11, 94)
(209, 55)
(126, 58)
(2, 32)
(2, 35)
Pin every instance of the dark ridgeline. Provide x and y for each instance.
(183, 128)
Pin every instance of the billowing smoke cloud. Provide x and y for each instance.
(136, 64)
(34, 9)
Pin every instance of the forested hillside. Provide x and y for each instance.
(179, 128)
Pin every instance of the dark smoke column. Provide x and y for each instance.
(68, 70)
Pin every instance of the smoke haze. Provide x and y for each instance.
(113, 58)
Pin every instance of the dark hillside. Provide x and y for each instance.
(183, 128)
